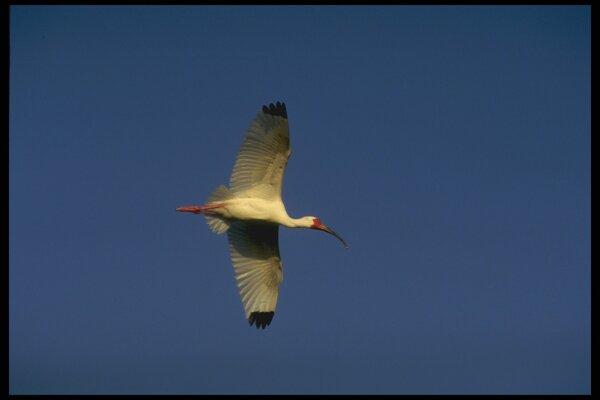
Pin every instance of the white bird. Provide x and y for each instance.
(251, 210)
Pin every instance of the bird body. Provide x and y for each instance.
(251, 210)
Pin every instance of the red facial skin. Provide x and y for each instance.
(317, 224)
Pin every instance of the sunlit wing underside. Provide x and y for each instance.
(254, 252)
(263, 156)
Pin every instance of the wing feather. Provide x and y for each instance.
(263, 156)
(254, 250)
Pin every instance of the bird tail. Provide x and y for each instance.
(216, 223)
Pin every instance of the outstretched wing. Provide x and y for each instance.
(254, 252)
(263, 156)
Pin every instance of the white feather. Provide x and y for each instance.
(262, 158)
(255, 255)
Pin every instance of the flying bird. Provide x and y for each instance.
(251, 210)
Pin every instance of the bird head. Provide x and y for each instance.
(315, 223)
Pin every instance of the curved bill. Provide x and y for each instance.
(329, 230)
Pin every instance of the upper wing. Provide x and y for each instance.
(262, 158)
(254, 252)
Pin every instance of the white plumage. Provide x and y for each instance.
(251, 210)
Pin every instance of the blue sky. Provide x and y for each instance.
(449, 146)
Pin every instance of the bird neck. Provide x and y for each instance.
(296, 222)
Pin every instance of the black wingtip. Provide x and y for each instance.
(278, 109)
(262, 319)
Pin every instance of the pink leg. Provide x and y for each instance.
(201, 209)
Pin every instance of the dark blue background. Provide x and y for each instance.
(450, 146)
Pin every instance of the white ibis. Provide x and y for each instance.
(251, 210)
